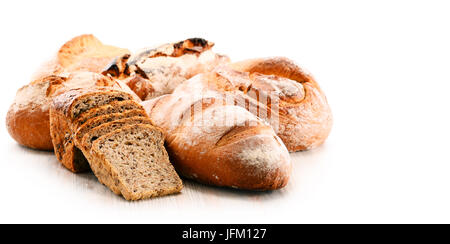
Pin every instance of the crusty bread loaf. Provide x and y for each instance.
(156, 71)
(277, 91)
(132, 162)
(65, 109)
(102, 119)
(215, 142)
(27, 119)
(305, 118)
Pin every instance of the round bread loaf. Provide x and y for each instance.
(305, 118)
(27, 119)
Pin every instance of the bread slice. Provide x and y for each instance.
(74, 102)
(133, 162)
(102, 119)
(113, 107)
(95, 133)
(65, 109)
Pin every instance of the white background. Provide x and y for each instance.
(384, 66)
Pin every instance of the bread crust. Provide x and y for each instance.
(30, 128)
(27, 119)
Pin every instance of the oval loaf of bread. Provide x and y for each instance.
(217, 143)
(305, 118)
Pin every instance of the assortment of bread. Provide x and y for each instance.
(223, 123)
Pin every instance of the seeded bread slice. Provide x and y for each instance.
(97, 132)
(102, 119)
(113, 107)
(65, 109)
(133, 162)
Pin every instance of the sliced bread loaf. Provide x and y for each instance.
(74, 102)
(133, 162)
(95, 133)
(65, 109)
(102, 119)
(113, 107)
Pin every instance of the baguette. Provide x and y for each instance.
(218, 143)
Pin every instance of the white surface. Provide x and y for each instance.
(384, 66)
